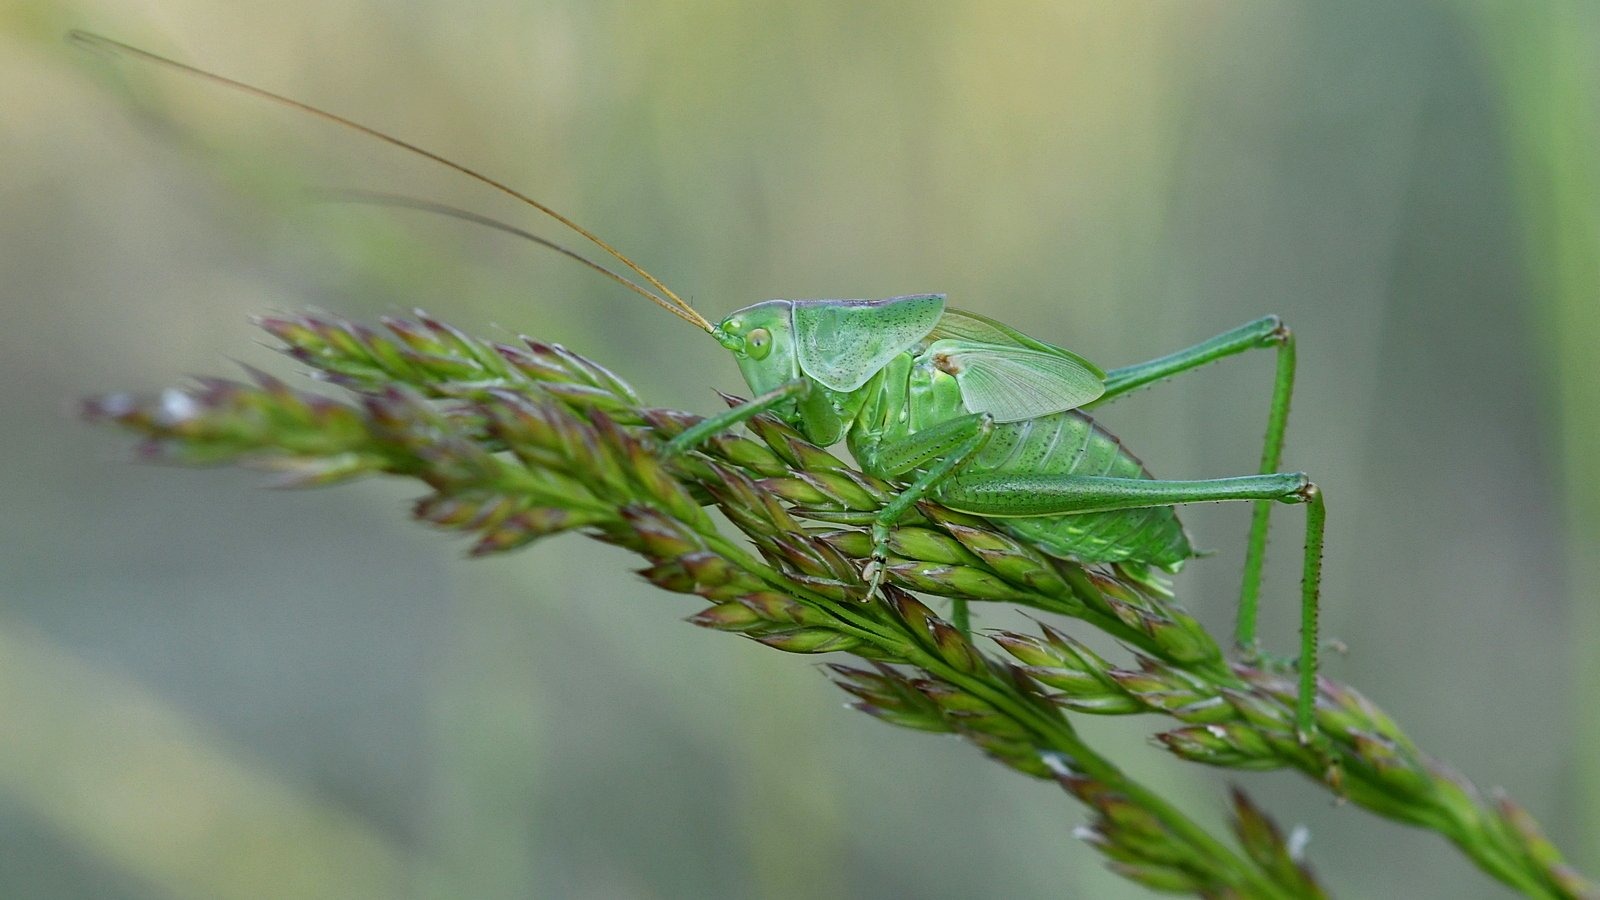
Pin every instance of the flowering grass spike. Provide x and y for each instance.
(517, 443)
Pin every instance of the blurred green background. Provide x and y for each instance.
(207, 690)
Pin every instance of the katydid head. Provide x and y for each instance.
(761, 338)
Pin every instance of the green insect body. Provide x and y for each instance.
(955, 407)
(961, 409)
(919, 365)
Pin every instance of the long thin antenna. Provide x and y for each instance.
(98, 42)
(381, 198)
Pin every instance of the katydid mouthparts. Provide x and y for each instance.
(959, 409)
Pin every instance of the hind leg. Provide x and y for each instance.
(1265, 332)
(1038, 495)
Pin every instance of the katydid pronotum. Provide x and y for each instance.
(962, 410)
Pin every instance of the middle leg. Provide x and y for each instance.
(946, 445)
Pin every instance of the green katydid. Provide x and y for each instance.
(965, 411)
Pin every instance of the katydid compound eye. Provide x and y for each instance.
(758, 342)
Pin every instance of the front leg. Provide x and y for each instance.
(694, 435)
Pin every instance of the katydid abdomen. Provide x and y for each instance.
(1070, 443)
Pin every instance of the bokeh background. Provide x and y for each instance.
(210, 690)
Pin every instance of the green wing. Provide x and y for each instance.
(1016, 383)
(842, 343)
(958, 324)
